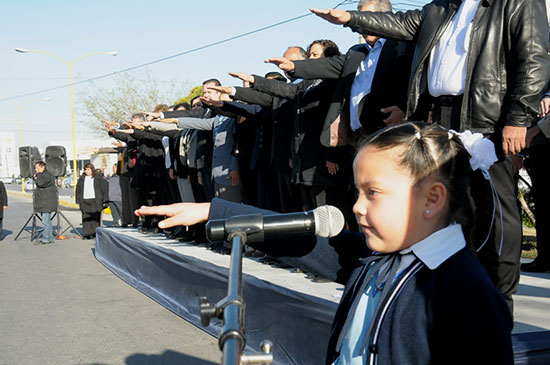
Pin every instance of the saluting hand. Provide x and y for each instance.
(334, 16)
(211, 102)
(222, 89)
(151, 116)
(242, 76)
(283, 63)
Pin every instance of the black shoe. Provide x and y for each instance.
(535, 267)
(317, 278)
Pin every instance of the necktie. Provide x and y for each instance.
(383, 282)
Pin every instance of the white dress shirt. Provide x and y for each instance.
(166, 144)
(362, 83)
(447, 68)
(89, 192)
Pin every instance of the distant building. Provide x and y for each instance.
(9, 157)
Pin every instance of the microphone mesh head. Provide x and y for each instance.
(329, 221)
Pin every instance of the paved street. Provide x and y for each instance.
(61, 306)
(58, 305)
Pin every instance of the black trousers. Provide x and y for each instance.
(90, 217)
(207, 184)
(149, 199)
(267, 191)
(502, 261)
(539, 170)
(502, 265)
(289, 193)
(129, 202)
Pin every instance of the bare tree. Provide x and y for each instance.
(131, 93)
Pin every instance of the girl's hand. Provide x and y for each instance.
(179, 214)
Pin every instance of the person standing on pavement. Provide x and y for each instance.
(115, 197)
(3, 206)
(45, 200)
(92, 191)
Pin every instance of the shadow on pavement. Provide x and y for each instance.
(5, 234)
(533, 291)
(166, 358)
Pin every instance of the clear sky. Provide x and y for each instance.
(141, 31)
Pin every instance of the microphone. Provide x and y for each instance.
(325, 221)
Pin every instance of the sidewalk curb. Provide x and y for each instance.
(27, 195)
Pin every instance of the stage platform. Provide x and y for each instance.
(281, 306)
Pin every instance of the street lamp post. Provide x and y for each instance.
(20, 108)
(70, 65)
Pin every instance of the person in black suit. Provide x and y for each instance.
(205, 144)
(278, 129)
(3, 206)
(260, 117)
(125, 168)
(371, 92)
(318, 184)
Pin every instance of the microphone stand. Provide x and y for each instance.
(231, 339)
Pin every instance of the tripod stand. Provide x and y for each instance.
(57, 214)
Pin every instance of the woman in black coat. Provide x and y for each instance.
(92, 191)
(3, 206)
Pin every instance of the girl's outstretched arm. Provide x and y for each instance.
(179, 214)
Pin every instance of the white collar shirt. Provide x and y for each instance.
(448, 59)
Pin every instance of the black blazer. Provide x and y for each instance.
(389, 85)
(101, 191)
(3, 199)
(309, 156)
(205, 141)
(282, 116)
(128, 153)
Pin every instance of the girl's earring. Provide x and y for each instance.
(427, 212)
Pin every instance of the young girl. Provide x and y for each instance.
(414, 293)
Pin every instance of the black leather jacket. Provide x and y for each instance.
(507, 67)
